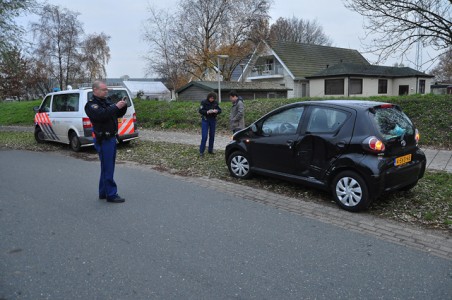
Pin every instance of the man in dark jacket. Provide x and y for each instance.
(104, 115)
(209, 110)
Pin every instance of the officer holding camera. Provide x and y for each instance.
(104, 114)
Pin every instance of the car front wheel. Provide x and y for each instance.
(39, 135)
(239, 165)
(350, 191)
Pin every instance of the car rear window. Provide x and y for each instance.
(392, 123)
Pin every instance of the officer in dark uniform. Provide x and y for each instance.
(209, 110)
(104, 115)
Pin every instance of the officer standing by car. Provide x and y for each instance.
(104, 115)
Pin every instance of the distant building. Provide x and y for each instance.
(198, 90)
(148, 90)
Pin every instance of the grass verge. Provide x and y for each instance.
(428, 205)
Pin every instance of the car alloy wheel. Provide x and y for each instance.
(350, 191)
(239, 165)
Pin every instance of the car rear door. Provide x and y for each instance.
(325, 135)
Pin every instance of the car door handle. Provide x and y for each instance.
(290, 143)
(340, 145)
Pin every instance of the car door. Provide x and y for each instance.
(43, 119)
(272, 149)
(64, 114)
(325, 136)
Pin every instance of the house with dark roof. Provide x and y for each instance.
(198, 90)
(317, 71)
(347, 79)
(289, 64)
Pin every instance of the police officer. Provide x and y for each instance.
(209, 110)
(104, 115)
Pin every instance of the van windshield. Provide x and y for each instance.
(115, 96)
(392, 123)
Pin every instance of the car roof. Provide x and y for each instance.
(356, 104)
(82, 89)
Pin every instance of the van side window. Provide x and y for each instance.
(65, 102)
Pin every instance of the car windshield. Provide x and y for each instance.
(392, 123)
(115, 95)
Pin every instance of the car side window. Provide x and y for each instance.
(65, 102)
(326, 120)
(45, 106)
(283, 123)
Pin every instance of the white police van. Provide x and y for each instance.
(61, 118)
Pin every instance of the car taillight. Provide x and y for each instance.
(417, 136)
(86, 123)
(134, 117)
(373, 144)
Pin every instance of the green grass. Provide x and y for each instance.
(429, 204)
(432, 114)
(18, 113)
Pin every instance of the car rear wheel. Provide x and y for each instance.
(239, 165)
(39, 135)
(350, 191)
(74, 142)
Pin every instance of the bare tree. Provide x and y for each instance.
(95, 56)
(10, 32)
(443, 71)
(203, 29)
(164, 56)
(58, 33)
(299, 31)
(401, 24)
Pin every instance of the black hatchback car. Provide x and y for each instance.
(356, 149)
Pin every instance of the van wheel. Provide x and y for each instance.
(39, 135)
(239, 165)
(74, 142)
(350, 191)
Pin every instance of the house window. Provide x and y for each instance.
(382, 86)
(356, 86)
(269, 64)
(422, 86)
(334, 86)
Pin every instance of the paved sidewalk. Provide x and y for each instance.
(436, 159)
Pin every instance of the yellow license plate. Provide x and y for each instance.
(402, 160)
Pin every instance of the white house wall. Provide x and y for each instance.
(370, 87)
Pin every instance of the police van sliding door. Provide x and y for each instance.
(65, 115)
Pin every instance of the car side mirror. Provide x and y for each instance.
(36, 109)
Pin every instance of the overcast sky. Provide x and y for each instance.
(123, 20)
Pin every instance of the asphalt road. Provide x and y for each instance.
(176, 240)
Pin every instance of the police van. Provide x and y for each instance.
(61, 118)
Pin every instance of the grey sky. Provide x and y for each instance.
(123, 21)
